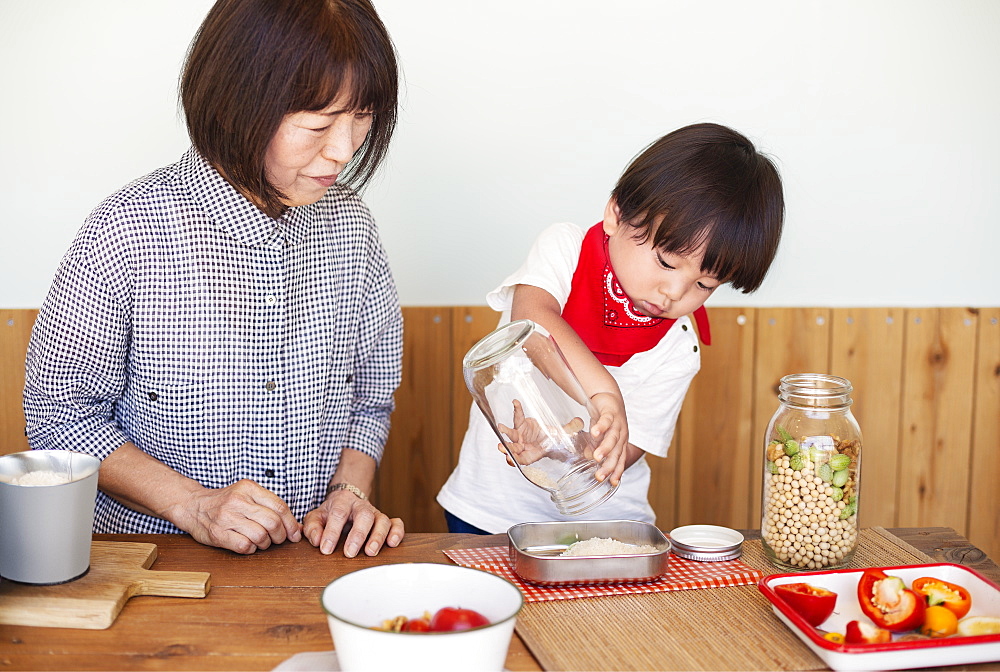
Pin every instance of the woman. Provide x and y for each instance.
(224, 333)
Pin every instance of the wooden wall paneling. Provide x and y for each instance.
(938, 386)
(867, 348)
(948, 463)
(15, 331)
(664, 483)
(984, 463)
(417, 458)
(714, 444)
(788, 340)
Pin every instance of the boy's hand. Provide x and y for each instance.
(529, 441)
(611, 429)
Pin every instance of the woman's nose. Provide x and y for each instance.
(339, 145)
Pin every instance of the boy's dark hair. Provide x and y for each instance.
(254, 61)
(707, 184)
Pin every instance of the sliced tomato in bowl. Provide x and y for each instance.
(448, 619)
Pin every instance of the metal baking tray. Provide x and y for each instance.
(535, 552)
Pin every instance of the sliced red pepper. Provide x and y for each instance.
(813, 603)
(951, 596)
(888, 602)
(862, 632)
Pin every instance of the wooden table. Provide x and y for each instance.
(264, 608)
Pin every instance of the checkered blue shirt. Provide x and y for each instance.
(220, 341)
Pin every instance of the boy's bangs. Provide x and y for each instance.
(725, 251)
(723, 257)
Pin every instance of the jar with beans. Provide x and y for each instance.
(812, 470)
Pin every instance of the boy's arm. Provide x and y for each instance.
(536, 304)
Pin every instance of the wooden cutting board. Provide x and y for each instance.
(118, 570)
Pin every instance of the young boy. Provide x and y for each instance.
(698, 208)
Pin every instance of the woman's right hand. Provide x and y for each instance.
(242, 517)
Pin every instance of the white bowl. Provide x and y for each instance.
(360, 601)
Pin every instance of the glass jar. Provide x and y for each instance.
(539, 411)
(812, 472)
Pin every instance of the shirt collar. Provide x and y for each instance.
(232, 211)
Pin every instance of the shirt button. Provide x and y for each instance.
(696, 348)
(153, 396)
(270, 386)
(684, 327)
(350, 377)
(270, 299)
(269, 473)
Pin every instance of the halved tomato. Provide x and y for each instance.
(813, 603)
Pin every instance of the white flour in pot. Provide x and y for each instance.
(43, 477)
(601, 546)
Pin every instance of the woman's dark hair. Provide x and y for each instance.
(254, 61)
(706, 184)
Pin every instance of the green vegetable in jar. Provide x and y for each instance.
(838, 462)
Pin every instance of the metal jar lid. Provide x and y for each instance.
(707, 543)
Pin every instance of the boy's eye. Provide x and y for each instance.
(707, 288)
(663, 263)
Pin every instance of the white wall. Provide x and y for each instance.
(882, 116)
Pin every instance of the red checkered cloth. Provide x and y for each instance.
(681, 575)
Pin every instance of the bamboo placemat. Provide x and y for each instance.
(731, 628)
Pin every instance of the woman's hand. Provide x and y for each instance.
(242, 517)
(323, 525)
(611, 429)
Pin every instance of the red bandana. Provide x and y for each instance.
(604, 317)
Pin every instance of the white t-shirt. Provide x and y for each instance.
(486, 492)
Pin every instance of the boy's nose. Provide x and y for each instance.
(674, 289)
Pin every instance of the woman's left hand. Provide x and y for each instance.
(342, 510)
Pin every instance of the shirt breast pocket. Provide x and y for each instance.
(162, 417)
